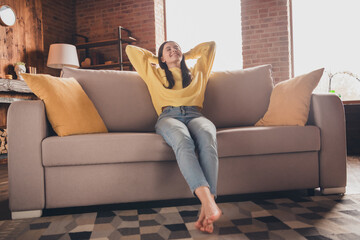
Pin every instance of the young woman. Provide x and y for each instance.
(177, 94)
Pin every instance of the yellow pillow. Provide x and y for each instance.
(68, 108)
(290, 101)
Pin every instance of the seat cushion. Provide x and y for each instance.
(105, 148)
(267, 140)
(142, 147)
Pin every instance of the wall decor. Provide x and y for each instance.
(22, 42)
(7, 16)
(19, 69)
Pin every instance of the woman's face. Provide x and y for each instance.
(172, 54)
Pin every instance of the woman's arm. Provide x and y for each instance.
(205, 53)
(142, 60)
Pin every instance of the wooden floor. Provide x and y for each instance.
(353, 184)
(353, 175)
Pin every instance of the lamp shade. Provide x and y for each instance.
(61, 54)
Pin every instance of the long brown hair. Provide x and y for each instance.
(185, 72)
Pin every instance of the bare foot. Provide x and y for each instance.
(208, 227)
(202, 223)
(212, 214)
(199, 223)
(209, 213)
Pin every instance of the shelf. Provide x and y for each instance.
(104, 66)
(103, 43)
(348, 102)
(352, 118)
(8, 85)
(117, 41)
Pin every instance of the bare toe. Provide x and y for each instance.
(210, 228)
(199, 223)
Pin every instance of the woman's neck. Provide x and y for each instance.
(173, 65)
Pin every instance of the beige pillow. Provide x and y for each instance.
(68, 108)
(290, 101)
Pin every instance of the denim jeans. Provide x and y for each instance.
(193, 140)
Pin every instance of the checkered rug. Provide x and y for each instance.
(317, 217)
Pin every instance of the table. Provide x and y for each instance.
(10, 91)
(8, 85)
(352, 116)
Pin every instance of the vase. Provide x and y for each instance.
(19, 69)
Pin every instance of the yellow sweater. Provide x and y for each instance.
(193, 95)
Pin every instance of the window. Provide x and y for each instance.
(326, 34)
(190, 22)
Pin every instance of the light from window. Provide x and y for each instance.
(326, 34)
(190, 22)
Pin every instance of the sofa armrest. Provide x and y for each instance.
(327, 112)
(27, 127)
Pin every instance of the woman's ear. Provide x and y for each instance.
(162, 59)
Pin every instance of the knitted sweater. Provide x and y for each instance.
(193, 95)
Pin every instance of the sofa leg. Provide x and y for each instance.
(337, 190)
(26, 214)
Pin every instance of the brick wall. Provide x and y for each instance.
(266, 35)
(59, 26)
(265, 27)
(159, 22)
(99, 20)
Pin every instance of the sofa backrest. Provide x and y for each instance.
(121, 98)
(232, 98)
(239, 97)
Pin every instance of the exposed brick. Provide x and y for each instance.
(265, 35)
(265, 27)
(58, 26)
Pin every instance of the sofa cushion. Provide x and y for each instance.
(267, 140)
(142, 147)
(105, 148)
(68, 108)
(290, 101)
(239, 97)
(121, 98)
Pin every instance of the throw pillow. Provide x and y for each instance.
(68, 108)
(290, 101)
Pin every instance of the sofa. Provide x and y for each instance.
(131, 163)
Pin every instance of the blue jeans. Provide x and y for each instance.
(188, 132)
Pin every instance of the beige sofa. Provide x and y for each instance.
(131, 163)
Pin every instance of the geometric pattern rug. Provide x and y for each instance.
(313, 217)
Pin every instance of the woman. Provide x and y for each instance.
(177, 94)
